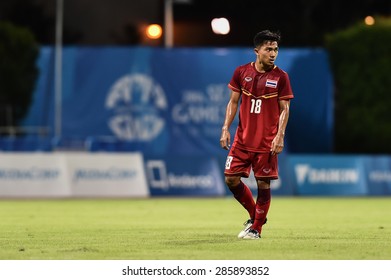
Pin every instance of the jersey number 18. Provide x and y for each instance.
(256, 106)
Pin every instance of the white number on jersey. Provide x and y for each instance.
(228, 162)
(256, 106)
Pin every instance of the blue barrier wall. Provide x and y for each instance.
(172, 101)
(133, 175)
(330, 175)
(340, 175)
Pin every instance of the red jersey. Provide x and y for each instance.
(259, 109)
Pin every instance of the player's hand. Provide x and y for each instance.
(277, 145)
(225, 139)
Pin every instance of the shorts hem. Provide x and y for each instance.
(273, 177)
(241, 174)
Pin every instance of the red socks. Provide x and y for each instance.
(257, 211)
(243, 194)
(261, 209)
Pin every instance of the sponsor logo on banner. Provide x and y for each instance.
(29, 173)
(73, 174)
(33, 175)
(380, 176)
(307, 174)
(184, 176)
(110, 174)
(138, 103)
(107, 175)
(161, 179)
(328, 175)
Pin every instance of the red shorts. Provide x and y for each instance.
(239, 163)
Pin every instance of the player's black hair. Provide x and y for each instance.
(266, 35)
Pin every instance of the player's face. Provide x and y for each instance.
(267, 54)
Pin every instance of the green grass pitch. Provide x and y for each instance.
(298, 228)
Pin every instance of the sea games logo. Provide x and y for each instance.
(138, 103)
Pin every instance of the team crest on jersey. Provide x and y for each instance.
(271, 83)
(248, 79)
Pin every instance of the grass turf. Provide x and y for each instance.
(194, 229)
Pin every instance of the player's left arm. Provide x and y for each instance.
(278, 141)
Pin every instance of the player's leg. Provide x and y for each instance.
(241, 193)
(262, 205)
(265, 169)
(244, 196)
(238, 166)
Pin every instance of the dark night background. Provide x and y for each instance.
(121, 22)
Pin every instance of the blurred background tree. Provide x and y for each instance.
(18, 73)
(360, 59)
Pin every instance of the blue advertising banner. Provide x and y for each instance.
(184, 176)
(328, 175)
(378, 174)
(173, 100)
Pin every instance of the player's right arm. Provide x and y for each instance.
(230, 113)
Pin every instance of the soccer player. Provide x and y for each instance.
(262, 93)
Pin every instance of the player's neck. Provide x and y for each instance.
(263, 68)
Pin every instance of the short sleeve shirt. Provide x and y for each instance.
(259, 111)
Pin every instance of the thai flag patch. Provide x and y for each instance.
(271, 83)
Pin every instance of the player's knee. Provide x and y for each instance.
(263, 184)
(232, 182)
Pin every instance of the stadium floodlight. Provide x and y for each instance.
(369, 20)
(154, 31)
(220, 26)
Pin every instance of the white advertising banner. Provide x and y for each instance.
(60, 175)
(33, 175)
(107, 175)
